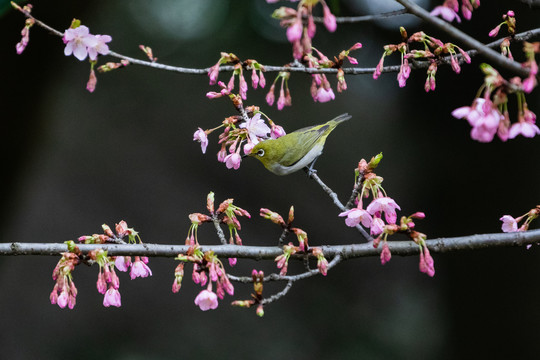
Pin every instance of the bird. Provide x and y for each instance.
(296, 150)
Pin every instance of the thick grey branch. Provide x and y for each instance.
(402, 248)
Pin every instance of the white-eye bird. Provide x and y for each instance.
(297, 149)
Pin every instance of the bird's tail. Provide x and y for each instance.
(341, 118)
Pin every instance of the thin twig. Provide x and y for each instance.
(302, 69)
(219, 230)
(338, 203)
(357, 19)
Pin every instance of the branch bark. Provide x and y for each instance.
(348, 251)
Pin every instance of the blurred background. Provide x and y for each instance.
(75, 160)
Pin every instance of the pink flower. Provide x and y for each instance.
(100, 47)
(112, 297)
(277, 131)
(446, 13)
(256, 128)
(206, 300)
(248, 147)
(233, 161)
(483, 116)
(329, 19)
(377, 226)
(509, 224)
(525, 128)
(200, 136)
(122, 263)
(232, 261)
(356, 216)
(139, 269)
(221, 155)
(62, 299)
(294, 31)
(324, 95)
(386, 205)
(78, 41)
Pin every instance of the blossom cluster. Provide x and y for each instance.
(488, 115)
(207, 266)
(450, 8)
(240, 132)
(290, 249)
(256, 297)
(81, 43)
(510, 224)
(108, 283)
(434, 51)
(368, 184)
(300, 24)
(64, 291)
(257, 75)
(207, 269)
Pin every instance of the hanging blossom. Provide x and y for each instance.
(369, 184)
(433, 50)
(511, 224)
(208, 270)
(300, 33)
(239, 135)
(290, 249)
(81, 43)
(489, 115)
(450, 8)
(257, 74)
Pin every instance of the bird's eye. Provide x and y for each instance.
(260, 152)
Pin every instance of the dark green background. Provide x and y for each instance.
(74, 160)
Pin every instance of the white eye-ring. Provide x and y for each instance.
(260, 152)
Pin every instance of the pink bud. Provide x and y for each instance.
(270, 97)
(329, 19)
(254, 79)
(355, 46)
(495, 31)
(262, 80)
(294, 31)
(385, 253)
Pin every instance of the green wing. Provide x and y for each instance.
(308, 137)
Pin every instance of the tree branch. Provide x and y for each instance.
(478, 48)
(349, 251)
(482, 49)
